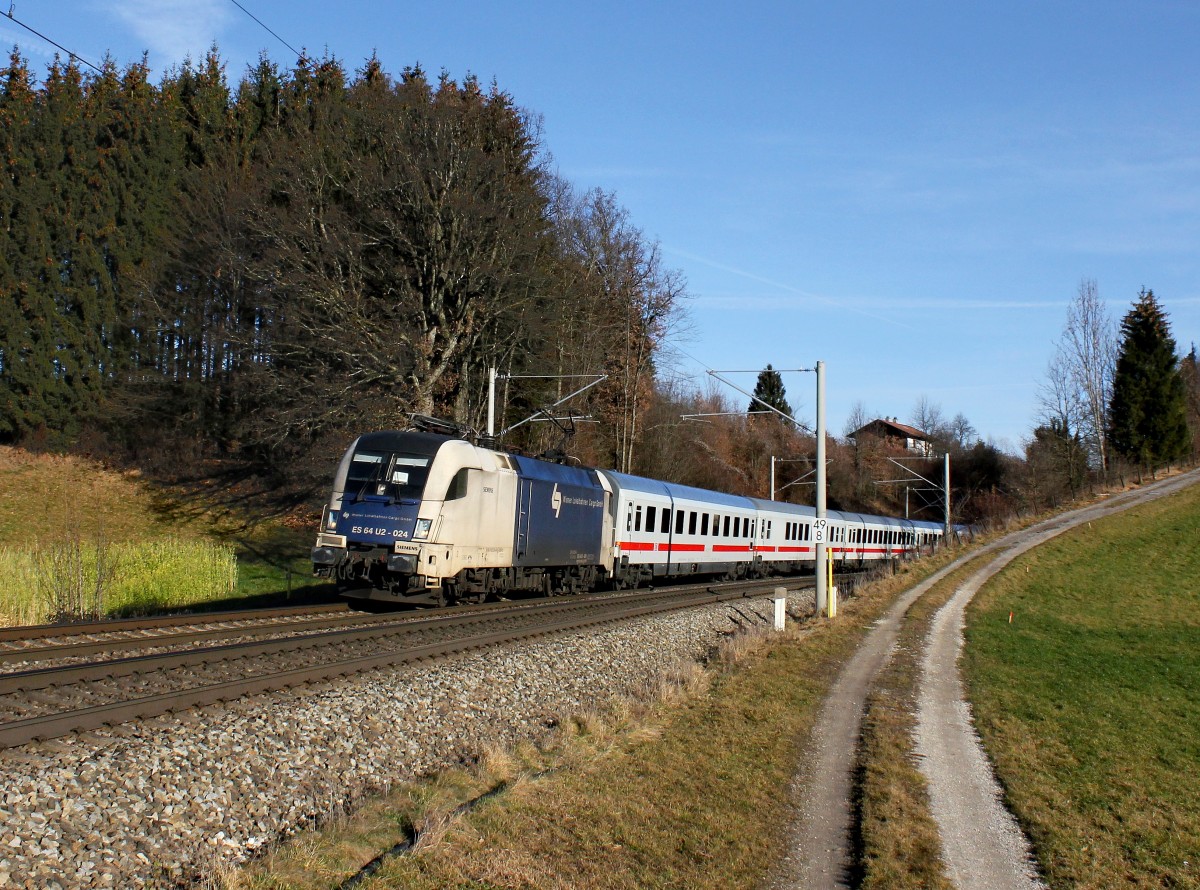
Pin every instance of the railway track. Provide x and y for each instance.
(90, 680)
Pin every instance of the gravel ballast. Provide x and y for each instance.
(165, 802)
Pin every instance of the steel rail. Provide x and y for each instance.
(71, 650)
(23, 633)
(387, 626)
(41, 728)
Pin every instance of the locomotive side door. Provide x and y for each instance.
(524, 508)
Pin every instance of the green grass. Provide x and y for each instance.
(1089, 700)
(76, 580)
(70, 527)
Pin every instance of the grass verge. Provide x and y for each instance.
(1087, 700)
(689, 787)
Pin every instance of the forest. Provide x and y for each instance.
(213, 280)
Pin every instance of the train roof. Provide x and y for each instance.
(624, 481)
(403, 440)
(533, 468)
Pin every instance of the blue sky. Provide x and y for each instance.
(911, 192)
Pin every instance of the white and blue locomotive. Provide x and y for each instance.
(425, 517)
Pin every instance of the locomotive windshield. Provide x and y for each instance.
(392, 475)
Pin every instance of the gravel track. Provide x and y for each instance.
(165, 802)
(818, 854)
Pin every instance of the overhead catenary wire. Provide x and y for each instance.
(298, 55)
(72, 55)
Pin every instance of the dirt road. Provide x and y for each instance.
(982, 845)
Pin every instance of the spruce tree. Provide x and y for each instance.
(1148, 411)
(769, 389)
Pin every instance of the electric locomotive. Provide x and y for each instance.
(423, 517)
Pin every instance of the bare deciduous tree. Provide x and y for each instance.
(928, 418)
(1088, 357)
(962, 432)
(1057, 443)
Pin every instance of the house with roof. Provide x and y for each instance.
(897, 435)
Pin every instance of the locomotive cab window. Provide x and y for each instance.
(387, 475)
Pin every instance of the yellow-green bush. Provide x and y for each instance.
(73, 579)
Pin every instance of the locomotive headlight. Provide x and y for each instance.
(331, 521)
(421, 532)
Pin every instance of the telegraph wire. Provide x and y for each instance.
(268, 30)
(12, 18)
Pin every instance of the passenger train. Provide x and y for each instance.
(422, 517)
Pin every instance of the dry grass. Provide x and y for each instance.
(47, 497)
(685, 785)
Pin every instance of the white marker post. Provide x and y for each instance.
(780, 607)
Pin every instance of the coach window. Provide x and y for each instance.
(727, 526)
(651, 515)
(716, 526)
(629, 519)
(704, 523)
(637, 519)
(692, 522)
(679, 522)
(666, 520)
(753, 523)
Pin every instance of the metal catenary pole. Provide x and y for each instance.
(947, 502)
(822, 530)
(822, 591)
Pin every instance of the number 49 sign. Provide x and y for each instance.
(820, 531)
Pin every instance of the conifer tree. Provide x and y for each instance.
(19, 373)
(769, 389)
(1148, 411)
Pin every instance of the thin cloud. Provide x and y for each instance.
(175, 29)
(28, 45)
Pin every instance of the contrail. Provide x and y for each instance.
(786, 287)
